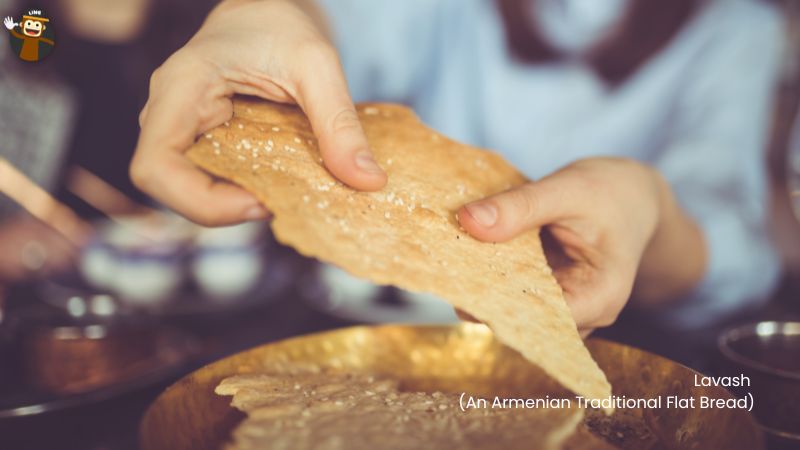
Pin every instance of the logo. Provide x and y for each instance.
(32, 38)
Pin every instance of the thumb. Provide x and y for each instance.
(324, 97)
(505, 215)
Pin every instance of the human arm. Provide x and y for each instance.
(273, 49)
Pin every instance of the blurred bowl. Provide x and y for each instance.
(140, 259)
(74, 359)
(147, 279)
(225, 274)
(97, 264)
(768, 353)
(227, 261)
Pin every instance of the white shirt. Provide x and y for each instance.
(699, 111)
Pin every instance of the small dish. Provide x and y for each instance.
(768, 354)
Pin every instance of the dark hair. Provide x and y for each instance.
(647, 27)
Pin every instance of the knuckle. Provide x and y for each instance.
(140, 174)
(156, 77)
(607, 318)
(589, 183)
(142, 116)
(345, 119)
(206, 112)
(181, 66)
(609, 310)
(525, 201)
(584, 180)
(214, 113)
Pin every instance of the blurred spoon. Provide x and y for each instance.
(41, 205)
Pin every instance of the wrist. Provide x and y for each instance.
(675, 258)
(309, 8)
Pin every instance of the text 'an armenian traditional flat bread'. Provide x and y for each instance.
(338, 411)
(406, 234)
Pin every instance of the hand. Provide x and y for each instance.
(9, 23)
(603, 219)
(29, 249)
(270, 49)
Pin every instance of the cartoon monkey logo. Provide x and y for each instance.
(36, 40)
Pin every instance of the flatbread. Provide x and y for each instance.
(406, 234)
(332, 411)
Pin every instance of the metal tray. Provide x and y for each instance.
(459, 358)
(19, 398)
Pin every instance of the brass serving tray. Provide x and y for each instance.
(459, 358)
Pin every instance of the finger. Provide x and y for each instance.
(595, 297)
(324, 97)
(503, 216)
(179, 184)
(585, 332)
(171, 121)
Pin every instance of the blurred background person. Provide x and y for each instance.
(546, 83)
(549, 82)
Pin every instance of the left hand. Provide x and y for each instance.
(602, 213)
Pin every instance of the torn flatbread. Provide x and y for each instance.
(406, 234)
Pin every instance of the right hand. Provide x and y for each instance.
(9, 23)
(270, 49)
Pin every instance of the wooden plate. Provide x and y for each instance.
(459, 358)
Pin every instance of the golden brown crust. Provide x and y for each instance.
(331, 411)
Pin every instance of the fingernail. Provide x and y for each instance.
(483, 213)
(257, 212)
(366, 162)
